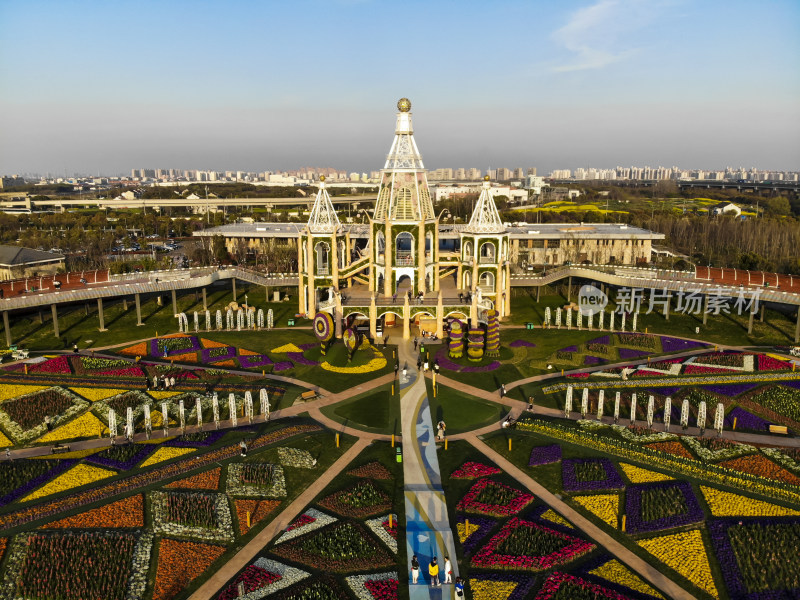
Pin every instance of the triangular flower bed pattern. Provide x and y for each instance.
(661, 505)
(492, 498)
(128, 512)
(371, 470)
(609, 572)
(583, 474)
(258, 509)
(179, 563)
(564, 585)
(529, 546)
(207, 480)
(19, 477)
(473, 470)
(264, 576)
(471, 534)
(511, 586)
(362, 499)
(338, 548)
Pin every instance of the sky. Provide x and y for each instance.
(107, 86)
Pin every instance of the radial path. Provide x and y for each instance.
(428, 531)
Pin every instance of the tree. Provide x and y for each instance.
(218, 249)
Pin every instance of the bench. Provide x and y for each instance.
(309, 395)
(779, 429)
(58, 449)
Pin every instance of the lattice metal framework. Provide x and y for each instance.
(485, 218)
(323, 217)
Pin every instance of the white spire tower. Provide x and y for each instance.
(485, 218)
(323, 217)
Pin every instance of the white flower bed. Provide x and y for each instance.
(592, 425)
(294, 457)
(141, 564)
(289, 576)
(357, 583)
(223, 532)
(376, 525)
(656, 436)
(724, 454)
(276, 488)
(22, 436)
(748, 364)
(779, 457)
(320, 520)
(101, 408)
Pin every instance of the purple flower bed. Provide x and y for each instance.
(445, 362)
(187, 442)
(525, 582)
(283, 365)
(209, 355)
(123, 465)
(596, 560)
(545, 455)
(593, 360)
(731, 390)
(298, 358)
(34, 483)
(629, 353)
(522, 344)
(792, 384)
(746, 420)
(308, 346)
(611, 481)
(254, 360)
(485, 525)
(603, 339)
(718, 529)
(633, 507)
(568, 349)
(490, 367)
(671, 344)
(665, 391)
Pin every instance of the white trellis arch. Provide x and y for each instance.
(219, 320)
(229, 319)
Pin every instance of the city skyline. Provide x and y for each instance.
(96, 87)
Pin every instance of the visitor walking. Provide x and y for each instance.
(155, 382)
(448, 570)
(414, 566)
(47, 423)
(459, 587)
(440, 429)
(419, 363)
(8, 457)
(396, 368)
(433, 571)
(243, 448)
(172, 382)
(502, 390)
(415, 342)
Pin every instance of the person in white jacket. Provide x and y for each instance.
(448, 570)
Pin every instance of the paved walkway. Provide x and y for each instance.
(638, 565)
(211, 588)
(428, 532)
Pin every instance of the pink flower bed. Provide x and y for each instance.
(382, 589)
(469, 503)
(646, 373)
(767, 363)
(58, 366)
(578, 375)
(126, 372)
(691, 369)
(473, 470)
(489, 558)
(300, 521)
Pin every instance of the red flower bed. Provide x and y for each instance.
(382, 589)
(767, 363)
(122, 372)
(473, 470)
(691, 369)
(392, 531)
(489, 497)
(253, 577)
(371, 470)
(300, 521)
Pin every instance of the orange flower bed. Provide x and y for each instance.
(207, 480)
(190, 357)
(136, 350)
(174, 335)
(675, 448)
(179, 563)
(258, 509)
(243, 352)
(2, 546)
(128, 512)
(225, 363)
(758, 464)
(212, 344)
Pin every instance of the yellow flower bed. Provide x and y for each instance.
(96, 394)
(165, 453)
(554, 517)
(4, 441)
(376, 364)
(161, 395)
(491, 590)
(604, 506)
(464, 532)
(8, 391)
(728, 504)
(684, 552)
(615, 572)
(78, 475)
(87, 425)
(286, 348)
(639, 475)
(75, 454)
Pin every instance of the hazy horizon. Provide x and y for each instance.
(106, 87)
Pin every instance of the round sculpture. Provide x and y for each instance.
(323, 326)
(404, 105)
(351, 340)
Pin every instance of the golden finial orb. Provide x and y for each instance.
(486, 178)
(404, 105)
(322, 177)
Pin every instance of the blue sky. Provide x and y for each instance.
(108, 86)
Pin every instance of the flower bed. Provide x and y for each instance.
(528, 546)
(731, 391)
(128, 512)
(763, 467)
(592, 360)
(56, 564)
(371, 470)
(84, 426)
(256, 479)
(781, 400)
(728, 504)
(79, 475)
(496, 586)
(758, 558)
(745, 420)
(671, 344)
(473, 470)
(122, 457)
(482, 368)
(674, 448)
(200, 515)
(207, 480)
(692, 369)
(603, 506)
(19, 477)
(767, 363)
(522, 344)
(198, 439)
(631, 354)
(580, 474)
(714, 449)
(684, 552)
(492, 498)
(338, 548)
(544, 455)
(23, 418)
(471, 536)
(89, 362)
(258, 509)
(376, 586)
(307, 522)
(638, 340)
(388, 535)
(263, 578)
(563, 586)
(362, 499)
(179, 563)
(618, 574)
(216, 355)
(661, 505)
(297, 458)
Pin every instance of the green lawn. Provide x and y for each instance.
(376, 411)
(461, 411)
